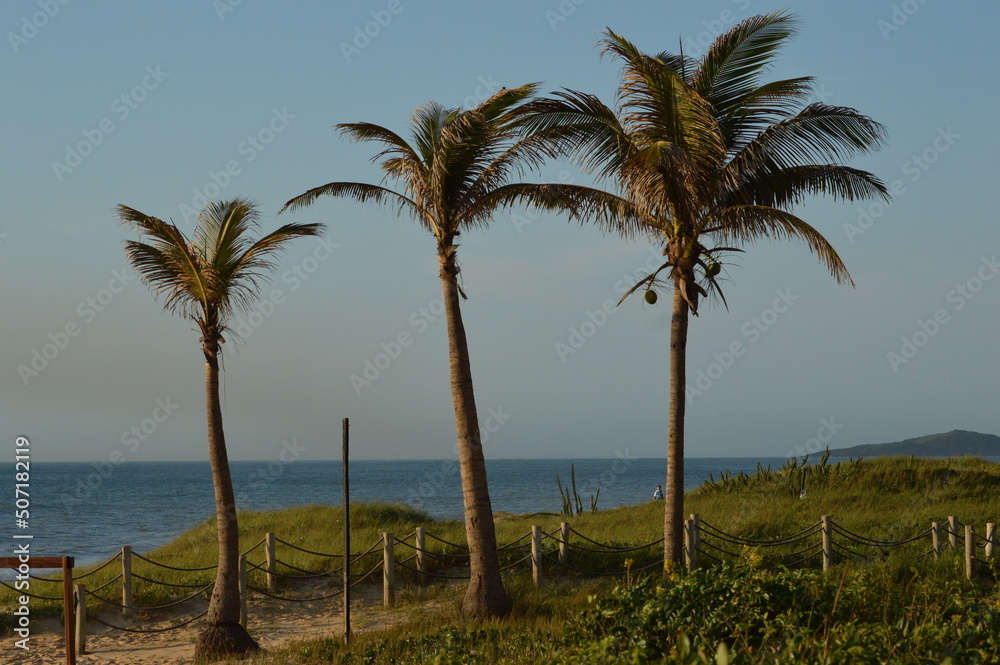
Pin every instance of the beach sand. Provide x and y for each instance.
(273, 623)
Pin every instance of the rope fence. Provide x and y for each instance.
(825, 541)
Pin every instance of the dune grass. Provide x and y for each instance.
(889, 498)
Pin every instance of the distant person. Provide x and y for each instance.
(658, 494)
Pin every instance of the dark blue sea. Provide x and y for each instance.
(90, 510)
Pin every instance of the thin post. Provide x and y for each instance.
(67, 571)
(388, 569)
(936, 539)
(81, 619)
(953, 531)
(269, 545)
(126, 580)
(347, 534)
(970, 552)
(695, 538)
(243, 590)
(536, 555)
(827, 527)
(688, 546)
(421, 543)
(991, 540)
(564, 543)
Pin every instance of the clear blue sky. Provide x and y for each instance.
(149, 104)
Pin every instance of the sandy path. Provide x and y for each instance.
(273, 623)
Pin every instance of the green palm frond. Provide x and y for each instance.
(730, 70)
(585, 205)
(744, 224)
(218, 271)
(818, 134)
(789, 187)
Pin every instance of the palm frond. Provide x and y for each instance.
(582, 204)
(170, 264)
(818, 134)
(730, 69)
(243, 274)
(743, 224)
(788, 187)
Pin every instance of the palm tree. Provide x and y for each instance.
(711, 159)
(455, 175)
(206, 279)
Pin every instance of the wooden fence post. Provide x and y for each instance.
(421, 543)
(953, 531)
(688, 561)
(269, 553)
(936, 539)
(827, 528)
(970, 552)
(243, 590)
(388, 569)
(536, 555)
(991, 540)
(80, 597)
(127, 580)
(564, 543)
(695, 538)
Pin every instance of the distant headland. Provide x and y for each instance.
(955, 443)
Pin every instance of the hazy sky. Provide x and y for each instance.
(157, 105)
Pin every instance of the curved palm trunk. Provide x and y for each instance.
(673, 517)
(486, 594)
(224, 635)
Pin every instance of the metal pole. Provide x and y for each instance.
(347, 535)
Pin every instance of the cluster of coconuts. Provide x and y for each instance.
(712, 268)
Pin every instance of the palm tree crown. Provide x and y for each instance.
(709, 158)
(215, 273)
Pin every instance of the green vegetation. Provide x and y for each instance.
(890, 610)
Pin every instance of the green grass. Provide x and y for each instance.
(888, 498)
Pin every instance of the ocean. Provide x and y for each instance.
(89, 510)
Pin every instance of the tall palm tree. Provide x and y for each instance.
(206, 279)
(711, 159)
(455, 175)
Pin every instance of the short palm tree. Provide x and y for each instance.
(710, 158)
(455, 175)
(206, 279)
